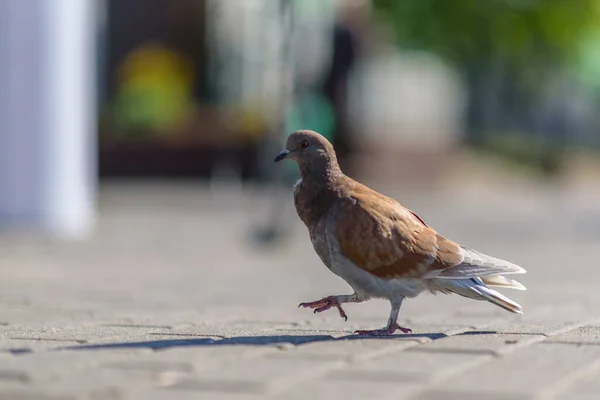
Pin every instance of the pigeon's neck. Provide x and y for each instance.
(316, 193)
(320, 173)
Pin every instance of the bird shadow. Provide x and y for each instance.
(266, 340)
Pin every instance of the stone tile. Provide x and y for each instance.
(33, 394)
(156, 366)
(342, 390)
(481, 342)
(472, 395)
(261, 375)
(102, 384)
(137, 314)
(476, 316)
(24, 346)
(546, 320)
(83, 334)
(200, 358)
(588, 334)
(45, 367)
(184, 394)
(588, 387)
(356, 349)
(410, 368)
(540, 369)
(13, 375)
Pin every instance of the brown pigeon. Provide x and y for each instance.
(382, 249)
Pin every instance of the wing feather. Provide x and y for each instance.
(380, 236)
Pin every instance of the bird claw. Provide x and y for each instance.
(384, 332)
(325, 304)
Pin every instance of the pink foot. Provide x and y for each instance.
(385, 331)
(325, 304)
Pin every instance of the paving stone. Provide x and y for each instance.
(540, 369)
(410, 367)
(151, 366)
(21, 317)
(96, 383)
(78, 335)
(357, 349)
(549, 320)
(216, 353)
(134, 314)
(11, 375)
(261, 375)
(342, 390)
(174, 394)
(459, 316)
(47, 367)
(30, 394)
(481, 342)
(196, 359)
(588, 387)
(473, 395)
(589, 334)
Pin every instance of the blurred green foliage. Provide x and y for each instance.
(525, 33)
(509, 51)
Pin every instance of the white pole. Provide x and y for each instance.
(48, 115)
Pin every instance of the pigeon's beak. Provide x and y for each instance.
(282, 155)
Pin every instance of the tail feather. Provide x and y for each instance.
(476, 264)
(501, 281)
(476, 289)
(499, 299)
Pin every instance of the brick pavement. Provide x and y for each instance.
(172, 300)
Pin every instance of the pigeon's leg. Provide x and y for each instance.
(392, 325)
(333, 301)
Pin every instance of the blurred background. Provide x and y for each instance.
(101, 90)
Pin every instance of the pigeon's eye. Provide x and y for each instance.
(304, 144)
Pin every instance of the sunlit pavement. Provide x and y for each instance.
(176, 296)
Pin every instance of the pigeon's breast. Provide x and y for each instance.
(313, 202)
(318, 238)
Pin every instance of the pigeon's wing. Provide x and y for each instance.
(380, 236)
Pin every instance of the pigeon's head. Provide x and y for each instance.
(308, 148)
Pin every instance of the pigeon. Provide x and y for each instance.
(380, 248)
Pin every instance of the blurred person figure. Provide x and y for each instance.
(348, 33)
